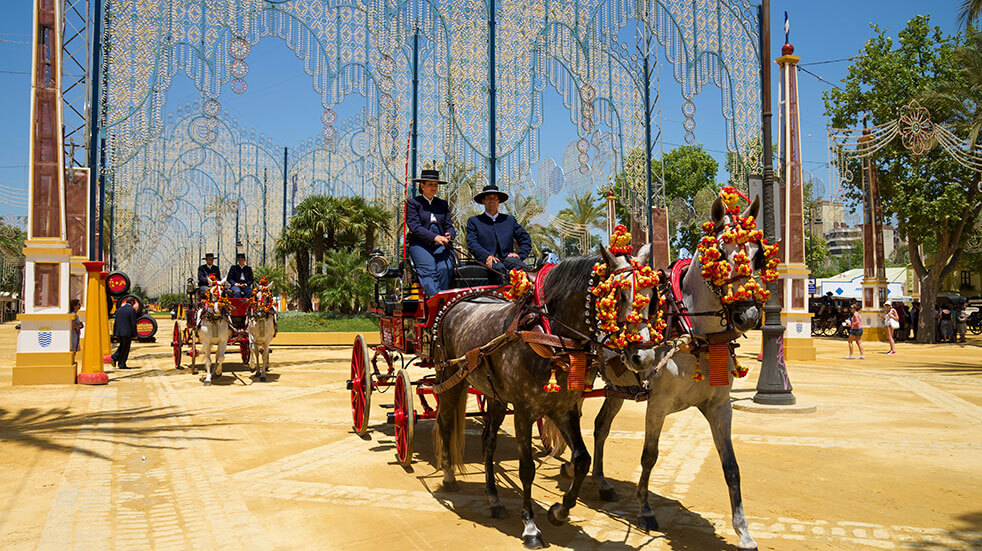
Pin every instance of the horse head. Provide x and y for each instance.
(730, 252)
(622, 292)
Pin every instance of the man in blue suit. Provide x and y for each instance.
(206, 270)
(124, 329)
(430, 233)
(240, 277)
(492, 235)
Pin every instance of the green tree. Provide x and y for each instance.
(585, 212)
(688, 170)
(344, 284)
(933, 198)
(168, 300)
(318, 217)
(296, 242)
(969, 12)
(278, 280)
(366, 221)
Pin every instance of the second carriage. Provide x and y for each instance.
(186, 337)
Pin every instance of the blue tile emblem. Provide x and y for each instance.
(44, 337)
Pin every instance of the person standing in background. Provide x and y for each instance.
(124, 329)
(855, 325)
(891, 320)
(74, 306)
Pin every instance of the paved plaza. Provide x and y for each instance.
(892, 459)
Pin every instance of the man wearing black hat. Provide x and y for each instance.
(240, 277)
(430, 233)
(492, 235)
(205, 270)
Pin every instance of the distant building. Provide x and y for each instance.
(842, 238)
(825, 216)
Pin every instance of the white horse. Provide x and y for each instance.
(262, 327)
(213, 328)
(672, 388)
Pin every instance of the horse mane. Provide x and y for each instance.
(569, 277)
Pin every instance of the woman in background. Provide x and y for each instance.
(891, 322)
(855, 324)
(74, 306)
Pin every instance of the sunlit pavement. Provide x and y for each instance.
(890, 460)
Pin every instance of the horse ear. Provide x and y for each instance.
(718, 211)
(606, 256)
(644, 255)
(753, 209)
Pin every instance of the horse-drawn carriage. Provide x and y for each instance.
(235, 313)
(535, 347)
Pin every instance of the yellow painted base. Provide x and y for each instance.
(323, 339)
(875, 334)
(799, 350)
(43, 368)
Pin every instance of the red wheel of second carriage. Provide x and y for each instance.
(360, 385)
(404, 417)
(176, 344)
(245, 351)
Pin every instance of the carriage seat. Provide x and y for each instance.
(470, 275)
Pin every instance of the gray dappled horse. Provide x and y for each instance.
(514, 374)
(672, 389)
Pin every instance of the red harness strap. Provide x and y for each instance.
(675, 281)
(540, 279)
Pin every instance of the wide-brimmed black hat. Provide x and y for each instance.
(210, 255)
(488, 190)
(429, 175)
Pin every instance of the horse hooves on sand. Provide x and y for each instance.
(609, 494)
(498, 511)
(533, 542)
(648, 524)
(450, 486)
(557, 514)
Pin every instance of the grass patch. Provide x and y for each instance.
(298, 322)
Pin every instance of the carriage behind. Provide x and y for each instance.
(187, 337)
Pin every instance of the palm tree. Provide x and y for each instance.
(278, 280)
(969, 12)
(366, 220)
(344, 283)
(296, 242)
(318, 216)
(584, 211)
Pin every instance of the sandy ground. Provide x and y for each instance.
(892, 459)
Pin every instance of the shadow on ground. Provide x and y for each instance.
(41, 428)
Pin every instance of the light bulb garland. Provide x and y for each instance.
(605, 295)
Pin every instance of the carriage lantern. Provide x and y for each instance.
(377, 264)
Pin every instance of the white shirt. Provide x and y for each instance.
(493, 217)
(430, 201)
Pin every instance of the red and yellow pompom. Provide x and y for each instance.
(620, 242)
(606, 293)
(520, 286)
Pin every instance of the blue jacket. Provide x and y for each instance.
(237, 274)
(486, 237)
(125, 322)
(418, 211)
(204, 271)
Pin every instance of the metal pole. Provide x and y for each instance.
(492, 99)
(95, 93)
(415, 121)
(112, 225)
(647, 141)
(285, 161)
(265, 183)
(773, 384)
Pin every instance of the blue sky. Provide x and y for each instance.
(281, 102)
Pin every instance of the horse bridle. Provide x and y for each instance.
(724, 312)
(591, 304)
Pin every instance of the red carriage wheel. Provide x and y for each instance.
(178, 340)
(361, 385)
(404, 417)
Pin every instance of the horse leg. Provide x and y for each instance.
(206, 349)
(720, 416)
(496, 415)
(220, 355)
(654, 420)
(531, 536)
(569, 425)
(601, 429)
(265, 352)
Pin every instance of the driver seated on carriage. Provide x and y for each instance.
(492, 235)
(205, 271)
(430, 234)
(240, 279)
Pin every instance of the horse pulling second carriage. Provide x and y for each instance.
(236, 321)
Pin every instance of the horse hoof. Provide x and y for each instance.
(608, 494)
(450, 486)
(498, 511)
(533, 542)
(648, 524)
(262, 377)
(566, 471)
(557, 514)
(207, 383)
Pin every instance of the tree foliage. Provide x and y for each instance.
(343, 284)
(933, 198)
(688, 170)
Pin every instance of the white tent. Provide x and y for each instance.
(848, 284)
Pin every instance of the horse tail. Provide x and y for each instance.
(455, 402)
(552, 438)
